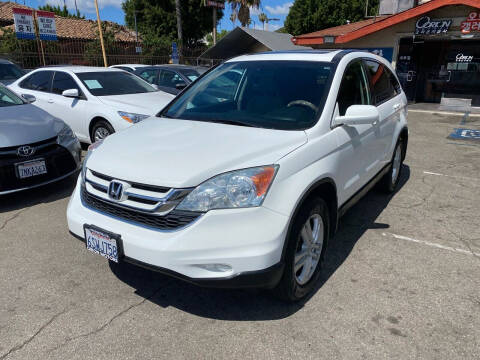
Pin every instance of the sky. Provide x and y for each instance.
(112, 10)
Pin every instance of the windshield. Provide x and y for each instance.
(10, 72)
(286, 95)
(8, 98)
(191, 74)
(104, 83)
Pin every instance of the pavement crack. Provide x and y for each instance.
(13, 217)
(112, 319)
(30, 339)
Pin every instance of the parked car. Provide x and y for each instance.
(95, 102)
(35, 147)
(9, 72)
(170, 78)
(128, 67)
(243, 180)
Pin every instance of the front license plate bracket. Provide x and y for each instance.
(102, 242)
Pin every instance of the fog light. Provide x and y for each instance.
(215, 267)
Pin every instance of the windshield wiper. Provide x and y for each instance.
(228, 122)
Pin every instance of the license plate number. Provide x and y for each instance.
(101, 243)
(31, 168)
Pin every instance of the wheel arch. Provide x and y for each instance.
(92, 124)
(327, 190)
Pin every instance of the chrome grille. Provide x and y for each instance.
(156, 200)
(173, 221)
(148, 205)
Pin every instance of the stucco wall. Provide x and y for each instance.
(389, 37)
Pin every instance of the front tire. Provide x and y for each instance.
(101, 130)
(305, 251)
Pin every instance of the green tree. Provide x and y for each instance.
(233, 18)
(61, 11)
(307, 16)
(157, 19)
(9, 42)
(241, 9)
(220, 35)
(262, 18)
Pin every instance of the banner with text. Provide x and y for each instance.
(46, 25)
(23, 19)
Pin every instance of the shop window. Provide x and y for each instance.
(354, 88)
(383, 83)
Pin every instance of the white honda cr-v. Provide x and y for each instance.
(241, 180)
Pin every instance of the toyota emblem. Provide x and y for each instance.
(25, 150)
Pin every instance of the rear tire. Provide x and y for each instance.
(304, 254)
(391, 179)
(100, 130)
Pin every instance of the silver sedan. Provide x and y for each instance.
(35, 147)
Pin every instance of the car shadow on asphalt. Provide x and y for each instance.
(256, 305)
(43, 194)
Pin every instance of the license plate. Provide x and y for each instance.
(31, 168)
(102, 243)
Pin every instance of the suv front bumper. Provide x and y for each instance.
(247, 243)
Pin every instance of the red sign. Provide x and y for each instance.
(472, 23)
(216, 4)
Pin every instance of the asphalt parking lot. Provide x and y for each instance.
(401, 280)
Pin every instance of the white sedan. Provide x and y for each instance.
(95, 102)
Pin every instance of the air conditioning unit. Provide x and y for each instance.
(390, 7)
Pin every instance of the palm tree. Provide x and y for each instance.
(241, 8)
(233, 18)
(262, 18)
(179, 26)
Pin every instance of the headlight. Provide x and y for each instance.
(66, 135)
(235, 189)
(91, 148)
(132, 118)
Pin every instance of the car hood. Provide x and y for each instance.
(25, 124)
(183, 153)
(146, 103)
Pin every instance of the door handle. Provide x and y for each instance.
(50, 101)
(396, 106)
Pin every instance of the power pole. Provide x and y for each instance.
(100, 33)
(214, 9)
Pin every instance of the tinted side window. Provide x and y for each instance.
(393, 79)
(149, 75)
(40, 81)
(354, 88)
(62, 81)
(169, 78)
(380, 82)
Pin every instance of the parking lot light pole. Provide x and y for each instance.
(100, 33)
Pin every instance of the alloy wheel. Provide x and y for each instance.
(397, 162)
(309, 249)
(101, 133)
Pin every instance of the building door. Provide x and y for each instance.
(407, 67)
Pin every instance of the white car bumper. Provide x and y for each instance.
(246, 240)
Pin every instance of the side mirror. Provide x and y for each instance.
(29, 98)
(358, 115)
(73, 93)
(180, 86)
